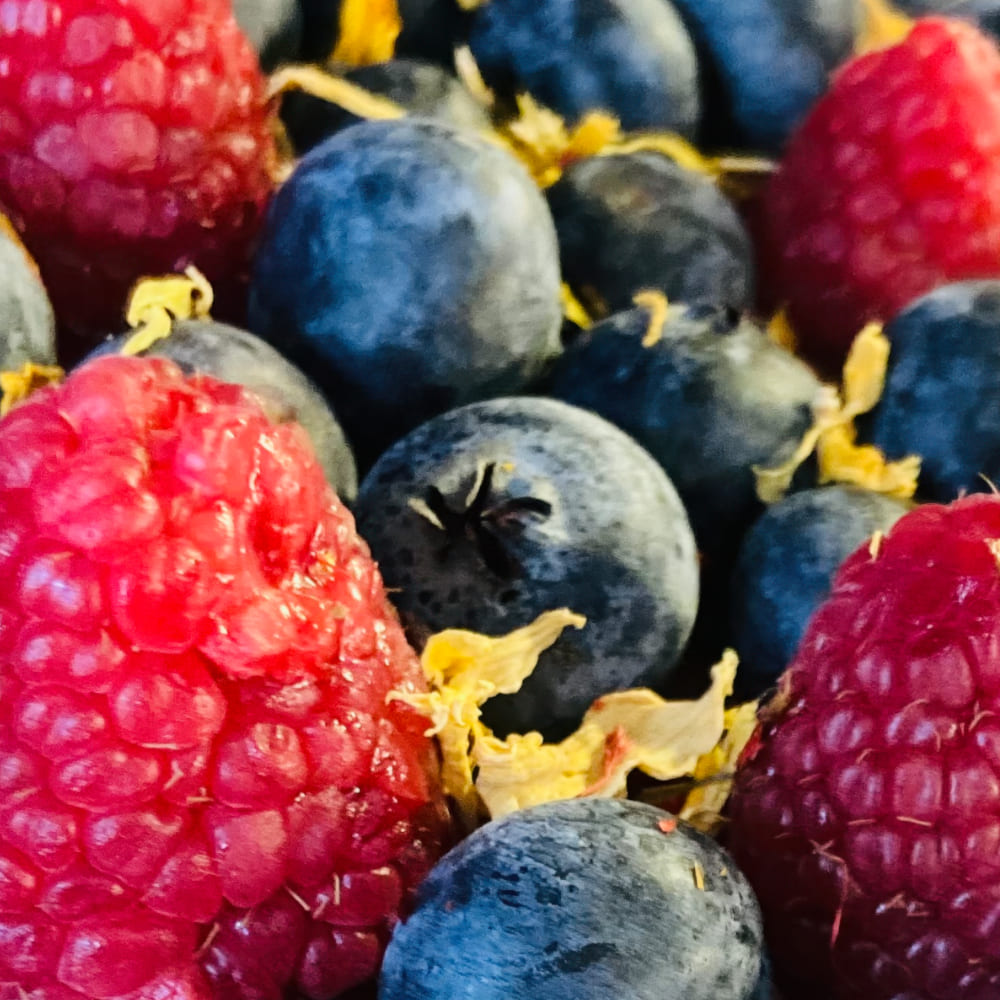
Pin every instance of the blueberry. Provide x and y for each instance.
(233, 355)
(633, 58)
(421, 88)
(409, 267)
(274, 28)
(636, 221)
(27, 323)
(785, 568)
(942, 393)
(539, 505)
(580, 900)
(772, 58)
(710, 399)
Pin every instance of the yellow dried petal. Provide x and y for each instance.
(155, 303)
(621, 732)
(864, 370)
(659, 309)
(715, 770)
(841, 460)
(464, 669)
(882, 25)
(327, 87)
(17, 386)
(682, 152)
(368, 32)
(468, 73)
(573, 309)
(595, 130)
(471, 5)
(781, 332)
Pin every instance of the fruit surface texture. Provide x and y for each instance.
(204, 790)
(133, 140)
(867, 816)
(580, 900)
(890, 187)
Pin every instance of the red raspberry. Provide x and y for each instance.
(889, 188)
(203, 790)
(133, 140)
(867, 817)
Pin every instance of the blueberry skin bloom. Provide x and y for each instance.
(408, 267)
(633, 58)
(237, 356)
(580, 900)
(942, 394)
(638, 221)
(27, 323)
(421, 88)
(523, 505)
(710, 399)
(785, 568)
(773, 58)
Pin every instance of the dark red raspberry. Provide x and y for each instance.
(890, 187)
(133, 140)
(203, 790)
(867, 817)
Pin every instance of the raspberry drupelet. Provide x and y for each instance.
(205, 791)
(889, 188)
(134, 139)
(867, 812)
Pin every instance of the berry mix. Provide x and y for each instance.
(497, 500)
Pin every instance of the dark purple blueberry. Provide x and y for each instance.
(524, 505)
(942, 394)
(633, 58)
(233, 355)
(785, 568)
(421, 88)
(27, 323)
(710, 398)
(584, 899)
(638, 221)
(770, 61)
(408, 267)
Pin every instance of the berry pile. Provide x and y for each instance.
(673, 321)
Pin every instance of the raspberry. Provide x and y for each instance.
(203, 790)
(867, 814)
(133, 140)
(890, 188)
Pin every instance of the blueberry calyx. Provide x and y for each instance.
(483, 522)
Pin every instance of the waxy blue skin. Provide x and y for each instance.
(408, 267)
(633, 58)
(274, 28)
(27, 323)
(710, 399)
(770, 59)
(233, 355)
(584, 899)
(639, 221)
(421, 88)
(614, 545)
(785, 569)
(942, 393)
